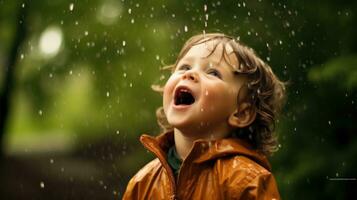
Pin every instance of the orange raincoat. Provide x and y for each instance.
(222, 169)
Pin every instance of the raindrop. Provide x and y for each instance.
(52, 160)
(132, 21)
(129, 11)
(186, 29)
(70, 72)
(205, 7)
(23, 5)
(40, 112)
(71, 6)
(124, 43)
(108, 94)
(124, 75)
(280, 42)
(22, 56)
(157, 57)
(117, 132)
(50, 75)
(42, 184)
(86, 33)
(329, 122)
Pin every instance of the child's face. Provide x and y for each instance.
(202, 92)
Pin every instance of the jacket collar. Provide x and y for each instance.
(202, 150)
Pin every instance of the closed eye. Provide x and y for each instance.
(184, 67)
(214, 72)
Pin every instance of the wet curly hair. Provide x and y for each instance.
(264, 90)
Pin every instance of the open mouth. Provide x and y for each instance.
(183, 96)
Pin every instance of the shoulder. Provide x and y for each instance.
(150, 169)
(143, 178)
(242, 176)
(240, 164)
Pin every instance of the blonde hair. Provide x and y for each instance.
(265, 91)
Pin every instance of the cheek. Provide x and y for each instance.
(219, 99)
(168, 90)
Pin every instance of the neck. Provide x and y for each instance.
(183, 144)
(184, 141)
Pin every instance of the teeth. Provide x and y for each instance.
(184, 90)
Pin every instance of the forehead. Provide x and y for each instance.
(214, 51)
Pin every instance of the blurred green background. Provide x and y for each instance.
(76, 76)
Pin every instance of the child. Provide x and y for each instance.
(219, 110)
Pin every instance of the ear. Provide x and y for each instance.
(243, 116)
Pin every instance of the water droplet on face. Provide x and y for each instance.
(202, 109)
(71, 6)
(206, 93)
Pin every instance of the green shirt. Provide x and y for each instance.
(174, 160)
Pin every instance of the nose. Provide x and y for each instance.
(190, 75)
